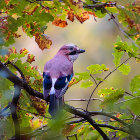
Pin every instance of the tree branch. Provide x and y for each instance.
(100, 125)
(93, 79)
(13, 108)
(101, 5)
(77, 121)
(108, 115)
(2, 111)
(86, 116)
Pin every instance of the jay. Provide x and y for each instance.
(57, 74)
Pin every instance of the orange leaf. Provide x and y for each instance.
(118, 115)
(60, 23)
(70, 16)
(7, 1)
(73, 82)
(43, 41)
(83, 17)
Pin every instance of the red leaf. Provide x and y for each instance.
(30, 58)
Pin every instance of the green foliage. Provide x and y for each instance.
(125, 69)
(83, 75)
(135, 85)
(111, 96)
(117, 56)
(120, 46)
(96, 68)
(33, 17)
(86, 84)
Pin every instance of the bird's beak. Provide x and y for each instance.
(80, 51)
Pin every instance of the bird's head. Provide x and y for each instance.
(71, 51)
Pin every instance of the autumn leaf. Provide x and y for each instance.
(73, 82)
(39, 104)
(70, 16)
(7, 1)
(24, 51)
(30, 9)
(30, 58)
(43, 41)
(67, 129)
(12, 51)
(60, 23)
(83, 17)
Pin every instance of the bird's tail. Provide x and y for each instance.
(55, 105)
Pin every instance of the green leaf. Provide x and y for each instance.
(110, 95)
(96, 68)
(133, 104)
(83, 75)
(135, 84)
(100, 79)
(100, 14)
(43, 16)
(117, 56)
(86, 84)
(132, 50)
(112, 9)
(125, 69)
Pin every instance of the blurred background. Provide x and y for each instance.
(97, 38)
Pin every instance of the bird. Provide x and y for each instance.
(57, 74)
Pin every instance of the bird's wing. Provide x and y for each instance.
(61, 85)
(47, 84)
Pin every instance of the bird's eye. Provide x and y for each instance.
(71, 49)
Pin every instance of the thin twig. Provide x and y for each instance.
(77, 121)
(93, 79)
(127, 100)
(104, 80)
(112, 127)
(106, 114)
(128, 93)
(2, 111)
(83, 99)
(101, 5)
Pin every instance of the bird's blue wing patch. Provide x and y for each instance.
(47, 82)
(62, 85)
